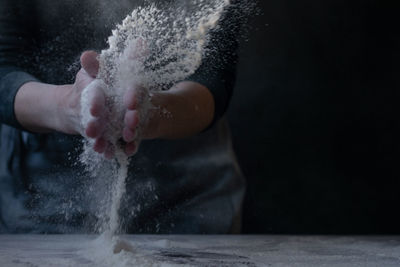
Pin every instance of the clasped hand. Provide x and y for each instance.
(96, 126)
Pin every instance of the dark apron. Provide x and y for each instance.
(192, 185)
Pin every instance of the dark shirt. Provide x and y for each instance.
(180, 186)
(36, 38)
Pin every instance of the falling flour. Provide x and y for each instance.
(150, 50)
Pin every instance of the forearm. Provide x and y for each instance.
(36, 106)
(184, 110)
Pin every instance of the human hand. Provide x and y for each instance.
(136, 102)
(42, 108)
(96, 115)
(135, 119)
(94, 112)
(92, 124)
(69, 112)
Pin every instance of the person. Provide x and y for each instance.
(184, 178)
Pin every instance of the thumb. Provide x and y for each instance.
(90, 63)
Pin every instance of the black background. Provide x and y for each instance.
(314, 118)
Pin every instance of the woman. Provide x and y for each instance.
(184, 179)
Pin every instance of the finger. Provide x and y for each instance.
(131, 119)
(128, 135)
(90, 63)
(100, 145)
(94, 128)
(131, 99)
(98, 103)
(131, 148)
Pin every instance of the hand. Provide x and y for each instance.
(135, 103)
(69, 112)
(70, 106)
(134, 117)
(98, 117)
(44, 108)
(95, 127)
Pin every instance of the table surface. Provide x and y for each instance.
(187, 250)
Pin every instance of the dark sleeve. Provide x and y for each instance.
(218, 69)
(16, 29)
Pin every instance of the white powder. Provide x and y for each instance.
(154, 49)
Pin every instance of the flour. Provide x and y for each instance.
(151, 50)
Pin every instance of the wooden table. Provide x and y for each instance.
(186, 250)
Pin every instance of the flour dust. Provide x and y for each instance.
(151, 49)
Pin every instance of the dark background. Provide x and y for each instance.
(314, 118)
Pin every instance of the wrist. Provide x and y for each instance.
(67, 106)
(183, 111)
